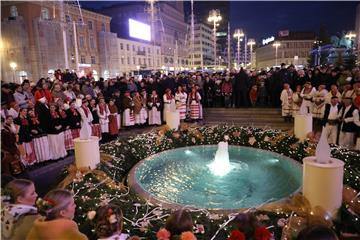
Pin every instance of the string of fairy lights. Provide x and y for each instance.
(144, 219)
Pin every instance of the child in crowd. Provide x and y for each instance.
(17, 218)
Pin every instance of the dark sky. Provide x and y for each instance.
(263, 19)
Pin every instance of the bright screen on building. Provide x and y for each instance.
(139, 30)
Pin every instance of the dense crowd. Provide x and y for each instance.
(42, 119)
(24, 216)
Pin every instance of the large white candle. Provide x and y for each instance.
(302, 125)
(323, 183)
(87, 152)
(173, 119)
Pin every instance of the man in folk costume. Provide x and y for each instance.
(138, 105)
(348, 116)
(286, 98)
(25, 142)
(297, 100)
(40, 138)
(128, 114)
(95, 123)
(319, 105)
(194, 104)
(103, 113)
(333, 92)
(180, 101)
(154, 106)
(307, 95)
(331, 119)
(68, 135)
(74, 120)
(168, 100)
(113, 118)
(118, 103)
(56, 134)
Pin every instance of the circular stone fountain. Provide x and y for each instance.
(202, 177)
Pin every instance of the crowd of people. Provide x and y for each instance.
(24, 216)
(41, 119)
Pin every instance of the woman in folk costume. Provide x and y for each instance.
(25, 143)
(40, 138)
(297, 100)
(144, 111)
(140, 118)
(56, 133)
(307, 95)
(113, 118)
(286, 98)
(68, 136)
(194, 104)
(180, 100)
(95, 123)
(169, 101)
(128, 114)
(103, 113)
(154, 106)
(74, 120)
(319, 104)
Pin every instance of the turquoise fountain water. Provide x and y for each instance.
(192, 176)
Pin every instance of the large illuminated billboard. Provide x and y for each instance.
(139, 30)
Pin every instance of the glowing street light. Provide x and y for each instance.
(276, 45)
(350, 35)
(13, 66)
(138, 69)
(214, 17)
(251, 43)
(238, 34)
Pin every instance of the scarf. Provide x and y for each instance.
(113, 108)
(24, 121)
(62, 113)
(54, 114)
(102, 108)
(11, 214)
(169, 96)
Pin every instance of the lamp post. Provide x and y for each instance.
(214, 17)
(138, 69)
(238, 34)
(152, 11)
(13, 66)
(276, 45)
(251, 42)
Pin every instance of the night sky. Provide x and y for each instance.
(263, 19)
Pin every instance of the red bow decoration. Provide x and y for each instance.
(262, 233)
(236, 235)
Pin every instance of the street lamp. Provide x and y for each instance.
(13, 66)
(238, 34)
(138, 69)
(251, 43)
(214, 17)
(276, 45)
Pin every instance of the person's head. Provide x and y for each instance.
(168, 91)
(321, 87)
(31, 112)
(286, 86)
(23, 112)
(246, 223)
(26, 85)
(154, 92)
(57, 87)
(317, 232)
(178, 222)
(9, 120)
(334, 100)
(44, 85)
(18, 88)
(22, 191)
(52, 107)
(93, 102)
(73, 104)
(102, 100)
(61, 203)
(109, 220)
(85, 102)
(347, 101)
(15, 106)
(111, 102)
(334, 88)
(179, 88)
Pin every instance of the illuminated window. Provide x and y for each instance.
(14, 11)
(93, 60)
(45, 13)
(82, 59)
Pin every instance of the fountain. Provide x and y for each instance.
(221, 164)
(238, 177)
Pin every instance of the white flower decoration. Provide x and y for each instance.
(252, 141)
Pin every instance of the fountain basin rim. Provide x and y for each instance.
(136, 187)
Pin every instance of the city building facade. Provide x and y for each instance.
(138, 56)
(293, 48)
(170, 29)
(40, 37)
